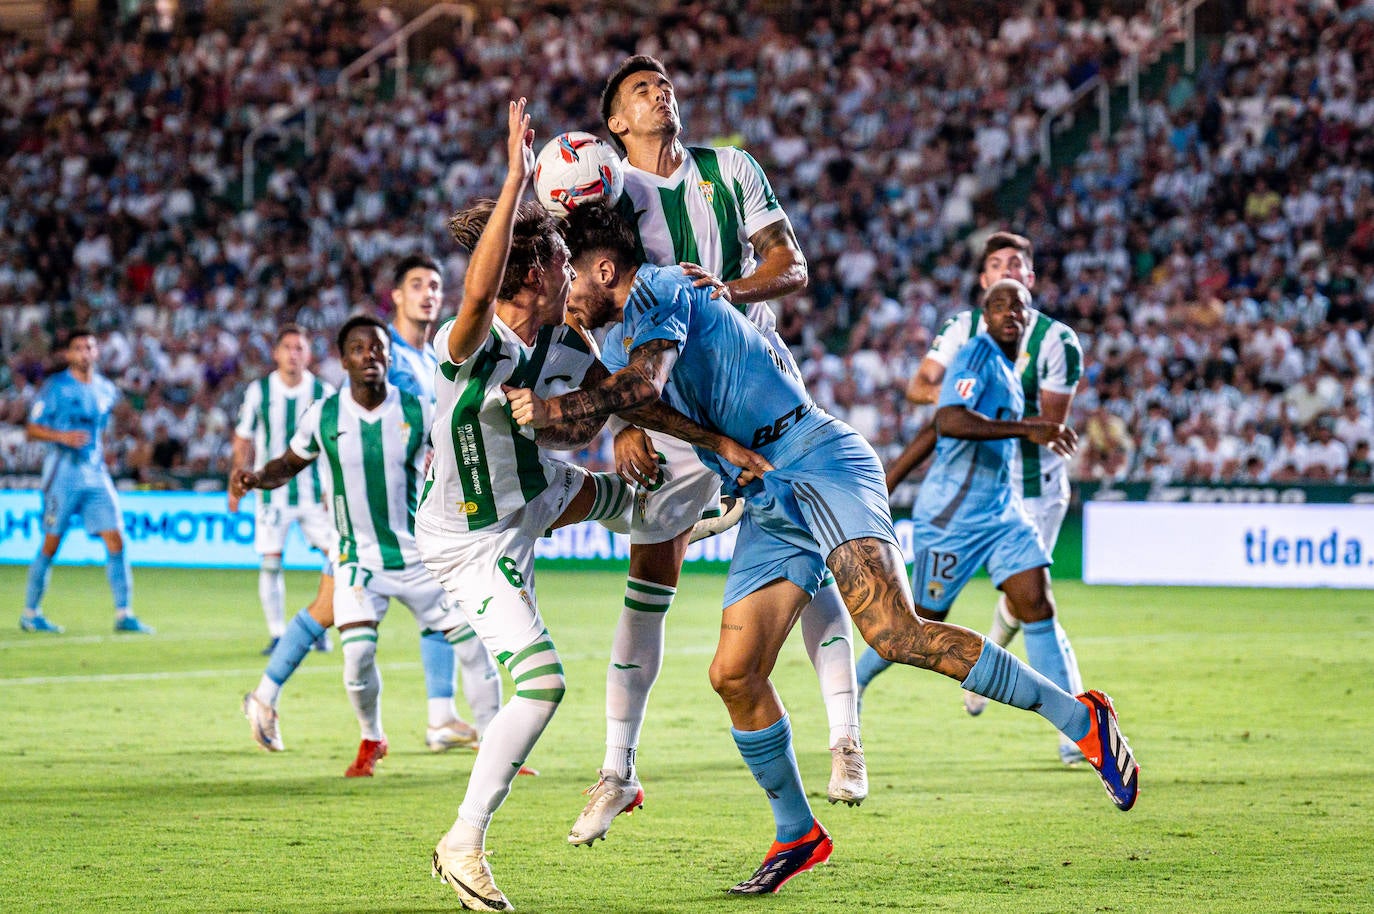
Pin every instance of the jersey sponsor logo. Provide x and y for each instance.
(964, 387)
(468, 507)
(767, 434)
(708, 190)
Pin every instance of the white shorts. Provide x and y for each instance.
(687, 489)
(269, 531)
(361, 595)
(489, 573)
(1046, 511)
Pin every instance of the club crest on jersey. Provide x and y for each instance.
(708, 190)
(629, 342)
(964, 387)
(935, 590)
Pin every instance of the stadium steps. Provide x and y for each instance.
(1011, 196)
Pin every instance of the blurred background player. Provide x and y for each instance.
(70, 414)
(272, 406)
(712, 208)
(416, 294)
(374, 439)
(1050, 366)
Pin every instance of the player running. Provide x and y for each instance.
(373, 438)
(493, 490)
(416, 295)
(1053, 362)
(70, 414)
(824, 505)
(712, 208)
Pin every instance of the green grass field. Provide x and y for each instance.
(132, 783)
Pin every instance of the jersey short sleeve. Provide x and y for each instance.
(1061, 360)
(306, 442)
(248, 411)
(967, 379)
(757, 201)
(950, 340)
(655, 311)
(613, 354)
(46, 403)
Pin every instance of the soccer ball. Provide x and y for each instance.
(574, 169)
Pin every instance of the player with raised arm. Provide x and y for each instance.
(713, 210)
(493, 490)
(268, 416)
(373, 439)
(1052, 364)
(824, 505)
(70, 414)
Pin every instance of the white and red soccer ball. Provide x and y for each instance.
(574, 169)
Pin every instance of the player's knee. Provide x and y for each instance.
(736, 684)
(114, 541)
(1034, 607)
(538, 673)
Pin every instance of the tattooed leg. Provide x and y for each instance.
(752, 631)
(872, 579)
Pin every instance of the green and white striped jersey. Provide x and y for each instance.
(374, 460)
(269, 417)
(1051, 359)
(485, 465)
(705, 213)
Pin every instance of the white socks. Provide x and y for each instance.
(636, 658)
(362, 680)
(272, 593)
(830, 645)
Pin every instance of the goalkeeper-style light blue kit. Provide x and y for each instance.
(968, 513)
(827, 486)
(75, 480)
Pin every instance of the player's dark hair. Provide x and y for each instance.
(533, 241)
(999, 241)
(413, 262)
(353, 323)
(287, 329)
(597, 228)
(77, 333)
(631, 65)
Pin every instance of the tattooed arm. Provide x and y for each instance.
(637, 384)
(573, 433)
(781, 270)
(661, 417)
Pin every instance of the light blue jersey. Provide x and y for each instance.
(827, 487)
(412, 370)
(75, 480)
(968, 514)
(727, 376)
(970, 481)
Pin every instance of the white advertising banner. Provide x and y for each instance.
(1312, 545)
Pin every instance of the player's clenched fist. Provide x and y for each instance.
(240, 484)
(525, 407)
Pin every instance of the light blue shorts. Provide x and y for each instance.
(94, 499)
(946, 559)
(833, 493)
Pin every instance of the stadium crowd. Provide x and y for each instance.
(1216, 255)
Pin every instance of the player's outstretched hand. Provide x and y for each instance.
(752, 466)
(636, 461)
(703, 277)
(525, 407)
(1058, 438)
(74, 439)
(519, 143)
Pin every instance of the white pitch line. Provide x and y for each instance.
(398, 666)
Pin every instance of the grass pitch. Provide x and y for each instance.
(131, 782)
